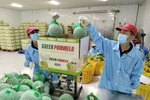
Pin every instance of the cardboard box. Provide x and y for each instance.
(62, 55)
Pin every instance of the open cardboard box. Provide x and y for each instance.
(64, 55)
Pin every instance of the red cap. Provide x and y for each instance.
(128, 27)
(30, 29)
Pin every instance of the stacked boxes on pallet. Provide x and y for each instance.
(8, 41)
(42, 26)
(10, 37)
(68, 29)
(25, 43)
(1, 37)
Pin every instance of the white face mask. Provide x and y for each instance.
(122, 39)
(34, 36)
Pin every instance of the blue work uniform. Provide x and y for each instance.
(93, 51)
(120, 73)
(144, 51)
(32, 55)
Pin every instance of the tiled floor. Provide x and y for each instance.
(14, 62)
(11, 62)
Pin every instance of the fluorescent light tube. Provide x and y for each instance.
(102, 0)
(54, 2)
(16, 5)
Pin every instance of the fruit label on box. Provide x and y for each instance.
(60, 54)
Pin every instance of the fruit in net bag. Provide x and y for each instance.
(79, 32)
(55, 30)
(8, 94)
(46, 94)
(46, 98)
(4, 86)
(66, 97)
(9, 79)
(27, 82)
(20, 93)
(19, 87)
(23, 76)
(39, 86)
(31, 95)
(14, 74)
(38, 77)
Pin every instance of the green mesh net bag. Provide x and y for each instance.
(27, 82)
(8, 94)
(19, 87)
(14, 74)
(39, 86)
(31, 95)
(20, 93)
(38, 77)
(46, 94)
(91, 97)
(9, 79)
(23, 76)
(46, 98)
(66, 97)
(79, 32)
(55, 30)
(4, 86)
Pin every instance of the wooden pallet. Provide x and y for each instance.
(10, 50)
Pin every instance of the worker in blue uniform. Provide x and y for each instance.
(123, 62)
(31, 53)
(93, 51)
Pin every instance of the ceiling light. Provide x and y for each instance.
(102, 0)
(54, 2)
(16, 5)
(111, 13)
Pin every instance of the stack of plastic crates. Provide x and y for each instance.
(87, 74)
(98, 67)
(144, 90)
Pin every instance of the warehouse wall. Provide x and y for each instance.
(144, 21)
(67, 17)
(12, 17)
(128, 11)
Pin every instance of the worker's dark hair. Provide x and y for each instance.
(131, 33)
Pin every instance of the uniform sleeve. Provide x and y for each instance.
(136, 73)
(102, 43)
(90, 53)
(27, 59)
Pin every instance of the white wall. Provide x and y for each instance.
(12, 17)
(127, 12)
(144, 21)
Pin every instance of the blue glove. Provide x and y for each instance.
(55, 77)
(146, 52)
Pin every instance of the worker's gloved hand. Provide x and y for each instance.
(146, 52)
(84, 21)
(134, 91)
(55, 15)
(31, 65)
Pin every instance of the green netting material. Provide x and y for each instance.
(27, 82)
(66, 97)
(8, 94)
(31, 95)
(38, 77)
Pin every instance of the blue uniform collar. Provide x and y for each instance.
(33, 50)
(131, 53)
